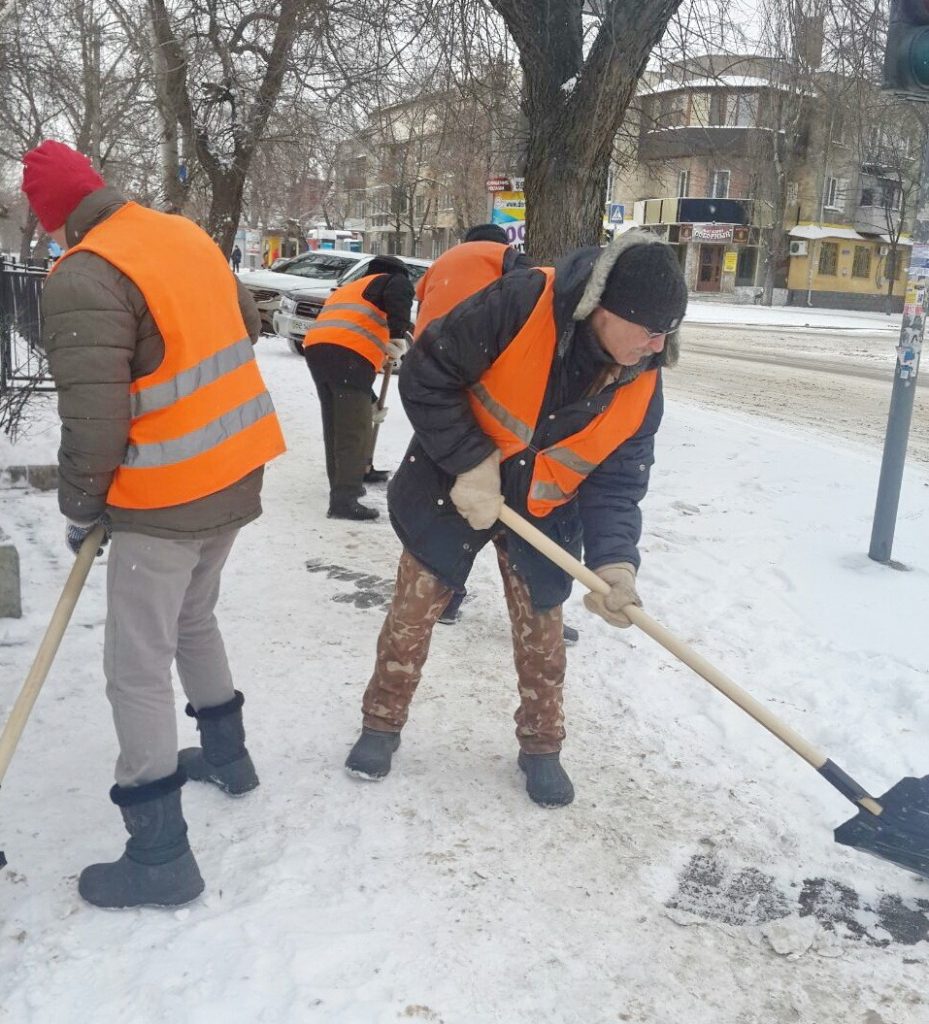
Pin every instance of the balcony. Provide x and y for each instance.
(699, 140)
(691, 210)
(876, 220)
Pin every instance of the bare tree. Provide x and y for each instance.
(574, 106)
(223, 69)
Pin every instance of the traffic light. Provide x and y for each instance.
(906, 58)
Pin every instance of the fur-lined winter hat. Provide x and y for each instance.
(638, 277)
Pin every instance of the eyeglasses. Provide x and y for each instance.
(670, 329)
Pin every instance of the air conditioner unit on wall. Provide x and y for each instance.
(798, 248)
(883, 251)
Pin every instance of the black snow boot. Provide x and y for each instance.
(452, 611)
(347, 506)
(158, 868)
(221, 757)
(370, 757)
(376, 476)
(547, 783)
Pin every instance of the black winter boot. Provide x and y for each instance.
(347, 506)
(376, 476)
(452, 611)
(157, 869)
(221, 757)
(547, 783)
(370, 757)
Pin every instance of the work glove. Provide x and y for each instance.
(397, 349)
(75, 533)
(476, 493)
(621, 578)
(378, 415)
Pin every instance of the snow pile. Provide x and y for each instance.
(694, 879)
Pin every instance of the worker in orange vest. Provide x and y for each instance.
(166, 427)
(362, 326)
(544, 388)
(483, 257)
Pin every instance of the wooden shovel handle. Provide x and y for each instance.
(381, 399)
(667, 639)
(48, 648)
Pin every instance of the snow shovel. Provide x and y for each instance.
(894, 827)
(47, 651)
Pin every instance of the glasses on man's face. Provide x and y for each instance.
(653, 335)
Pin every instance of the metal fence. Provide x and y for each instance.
(22, 364)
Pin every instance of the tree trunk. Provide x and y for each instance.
(225, 208)
(27, 232)
(574, 107)
(566, 173)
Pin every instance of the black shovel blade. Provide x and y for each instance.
(901, 833)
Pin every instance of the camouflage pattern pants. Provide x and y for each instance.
(403, 645)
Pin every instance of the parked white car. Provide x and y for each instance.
(300, 307)
(319, 266)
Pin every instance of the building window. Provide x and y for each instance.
(420, 206)
(718, 108)
(828, 258)
(720, 185)
(861, 264)
(834, 193)
(683, 183)
(746, 110)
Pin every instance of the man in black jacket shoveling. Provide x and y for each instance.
(544, 390)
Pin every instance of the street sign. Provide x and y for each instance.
(617, 213)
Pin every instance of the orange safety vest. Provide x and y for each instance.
(455, 276)
(349, 320)
(507, 402)
(203, 419)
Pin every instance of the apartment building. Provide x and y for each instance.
(746, 168)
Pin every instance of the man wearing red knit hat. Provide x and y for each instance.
(166, 426)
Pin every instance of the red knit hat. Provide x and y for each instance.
(55, 179)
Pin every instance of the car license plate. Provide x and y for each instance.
(300, 325)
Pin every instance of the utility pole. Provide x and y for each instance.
(909, 348)
(906, 75)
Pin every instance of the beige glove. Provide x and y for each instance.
(397, 348)
(378, 415)
(476, 493)
(621, 578)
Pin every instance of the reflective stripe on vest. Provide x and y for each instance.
(562, 468)
(203, 419)
(455, 276)
(349, 320)
(507, 402)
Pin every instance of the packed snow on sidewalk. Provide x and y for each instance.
(694, 879)
(743, 315)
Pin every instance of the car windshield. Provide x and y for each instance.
(322, 268)
(416, 272)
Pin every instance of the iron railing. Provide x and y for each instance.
(22, 363)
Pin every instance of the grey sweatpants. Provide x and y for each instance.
(160, 599)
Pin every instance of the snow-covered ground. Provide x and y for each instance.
(702, 311)
(693, 881)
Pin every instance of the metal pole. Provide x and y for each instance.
(909, 348)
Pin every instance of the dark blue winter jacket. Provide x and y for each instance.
(603, 521)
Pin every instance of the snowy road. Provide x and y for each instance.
(833, 383)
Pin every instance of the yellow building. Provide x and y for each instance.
(833, 265)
